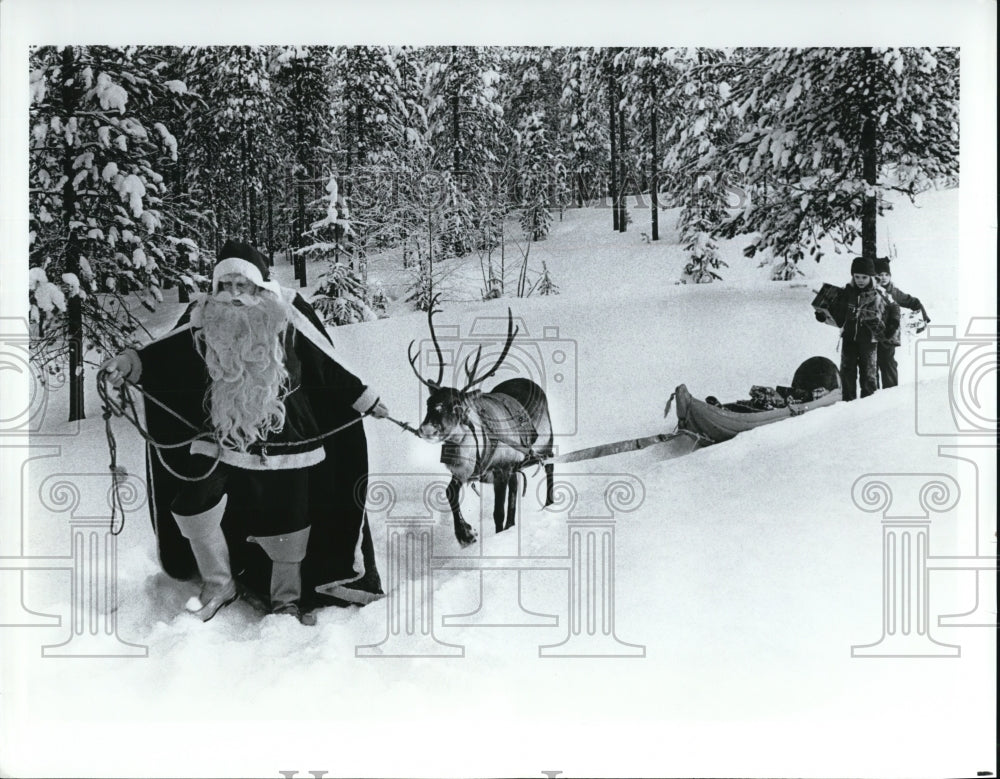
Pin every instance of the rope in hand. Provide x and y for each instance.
(125, 407)
(403, 425)
(118, 472)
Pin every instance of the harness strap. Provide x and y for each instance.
(531, 457)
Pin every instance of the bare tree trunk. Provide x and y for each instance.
(359, 116)
(251, 175)
(430, 259)
(183, 293)
(74, 305)
(502, 256)
(654, 181)
(298, 239)
(270, 219)
(338, 230)
(613, 181)
(622, 213)
(455, 126)
(244, 187)
(254, 232)
(869, 164)
(300, 226)
(869, 209)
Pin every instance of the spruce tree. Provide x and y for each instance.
(230, 141)
(465, 129)
(532, 110)
(301, 76)
(650, 75)
(832, 132)
(702, 127)
(583, 125)
(99, 214)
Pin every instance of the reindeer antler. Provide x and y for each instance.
(470, 372)
(473, 380)
(431, 311)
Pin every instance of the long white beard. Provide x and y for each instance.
(245, 357)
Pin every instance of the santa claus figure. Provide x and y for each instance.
(258, 462)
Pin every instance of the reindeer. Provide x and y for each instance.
(487, 437)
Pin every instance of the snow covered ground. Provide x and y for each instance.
(745, 571)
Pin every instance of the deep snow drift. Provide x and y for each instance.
(745, 572)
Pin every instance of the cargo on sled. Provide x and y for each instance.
(816, 384)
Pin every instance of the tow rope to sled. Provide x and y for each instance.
(532, 458)
(125, 407)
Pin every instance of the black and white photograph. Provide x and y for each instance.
(539, 389)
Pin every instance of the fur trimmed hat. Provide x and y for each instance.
(861, 265)
(242, 258)
(882, 265)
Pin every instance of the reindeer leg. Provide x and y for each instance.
(499, 491)
(511, 499)
(549, 483)
(463, 530)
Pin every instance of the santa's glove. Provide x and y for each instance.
(821, 317)
(125, 367)
(379, 410)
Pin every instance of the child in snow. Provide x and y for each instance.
(864, 317)
(887, 367)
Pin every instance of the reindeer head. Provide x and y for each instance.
(448, 408)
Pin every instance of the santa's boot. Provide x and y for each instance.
(287, 551)
(211, 552)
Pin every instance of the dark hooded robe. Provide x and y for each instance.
(339, 567)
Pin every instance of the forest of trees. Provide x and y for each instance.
(144, 160)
